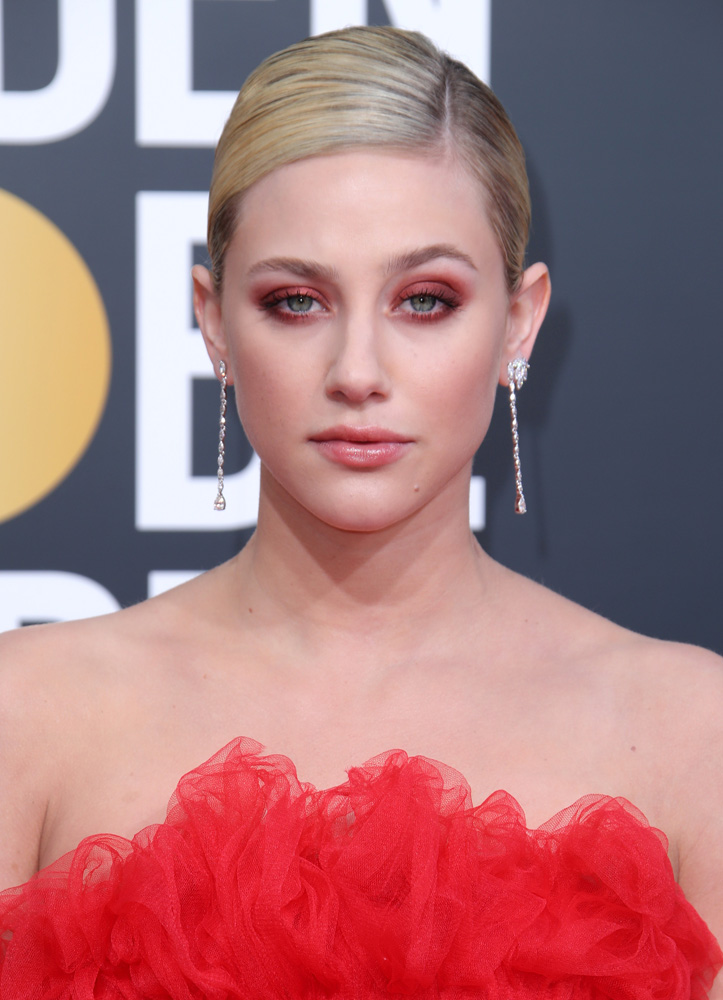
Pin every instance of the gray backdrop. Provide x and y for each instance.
(619, 104)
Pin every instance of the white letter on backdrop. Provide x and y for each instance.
(28, 596)
(460, 27)
(161, 580)
(169, 355)
(329, 15)
(78, 91)
(169, 112)
(477, 503)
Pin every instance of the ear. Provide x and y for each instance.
(207, 307)
(528, 305)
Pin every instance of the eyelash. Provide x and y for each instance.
(446, 298)
(273, 301)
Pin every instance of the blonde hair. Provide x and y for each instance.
(369, 87)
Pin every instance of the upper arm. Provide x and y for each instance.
(701, 873)
(699, 793)
(701, 878)
(25, 756)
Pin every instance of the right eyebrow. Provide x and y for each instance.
(309, 269)
(423, 255)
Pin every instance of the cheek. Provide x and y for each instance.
(471, 363)
(467, 393)
(258, 392)
(270, 393)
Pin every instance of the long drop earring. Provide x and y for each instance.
(517, 376)
(220, 502)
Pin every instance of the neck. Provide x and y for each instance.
(327, 582)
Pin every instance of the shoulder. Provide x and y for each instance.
(666, 697)
(681, 688)
(53, 671)
(59, 679)
(673, 689)
(50, 659)
(62, 687)
(689, 717)
(67, 664)
(684, 684)
(676, 696)
(666, 700)
(48, 675)
(581, 639)
(32, 701)
(36, 664)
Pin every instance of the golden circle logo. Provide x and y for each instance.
(55, 356)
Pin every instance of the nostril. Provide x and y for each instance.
(358, 365)
(357, 383)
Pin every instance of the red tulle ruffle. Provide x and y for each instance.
(259, 886)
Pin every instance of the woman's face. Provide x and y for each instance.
(365, 322)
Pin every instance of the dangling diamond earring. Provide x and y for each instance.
(220, 502)
(517, 376)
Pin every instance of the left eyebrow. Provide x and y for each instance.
(415, 258)
(308, 269)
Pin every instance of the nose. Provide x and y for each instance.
(357, 369)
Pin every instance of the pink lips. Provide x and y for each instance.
(361, 447)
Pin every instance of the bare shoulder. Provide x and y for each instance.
(42, 690)
(32, 699)
(64, 688)
(685, 683)
(57, 669)
(677, 694)
(668, 697)
(577, 635)
(38, 669)
(38, 656)
(690, 720)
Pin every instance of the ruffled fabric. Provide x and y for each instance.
(259, 886)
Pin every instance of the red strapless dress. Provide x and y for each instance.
(259, 886)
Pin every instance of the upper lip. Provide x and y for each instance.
(369, 434)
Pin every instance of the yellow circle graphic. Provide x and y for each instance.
(55, 356)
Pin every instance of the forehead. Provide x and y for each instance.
(364, 203)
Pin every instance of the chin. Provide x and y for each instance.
(363, 521)
(369, 527)
(365, 507)
(362, 515)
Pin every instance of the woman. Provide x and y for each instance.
(367, 227)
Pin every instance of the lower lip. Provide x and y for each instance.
(363, 454)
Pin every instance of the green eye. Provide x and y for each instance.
(300, 303)
(422, 303)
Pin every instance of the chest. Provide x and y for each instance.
(125, 783)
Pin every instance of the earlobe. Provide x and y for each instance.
(207, 308)
(528, 305)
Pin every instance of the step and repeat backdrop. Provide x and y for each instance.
(109, 112)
